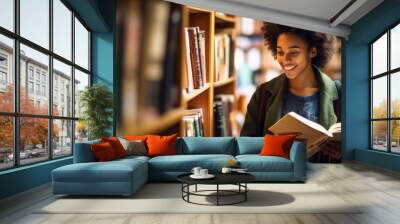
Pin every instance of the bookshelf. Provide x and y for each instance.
(212, 23)
(171, 121)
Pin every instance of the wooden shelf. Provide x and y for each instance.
(173, 117)
(222, 18)
(195, 92)
(225, 82)
(192, 9)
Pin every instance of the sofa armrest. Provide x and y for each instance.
(299, 159)
(83, 152)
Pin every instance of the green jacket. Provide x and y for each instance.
(265, 106)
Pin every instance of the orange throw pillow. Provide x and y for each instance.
(161, 145)
(116, 145)
(136, 137)
(277, 145)
(103, 152)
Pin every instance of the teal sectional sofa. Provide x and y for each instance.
(125, 176)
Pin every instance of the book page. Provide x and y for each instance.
(310, 132)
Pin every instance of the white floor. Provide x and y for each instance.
(378, 189)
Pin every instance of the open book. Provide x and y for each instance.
(311, 132)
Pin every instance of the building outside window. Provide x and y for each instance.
(43, 90)
(30, 72)
(44, 77)
(385, 95)
(38, 89)
(3, 72)
(3, 78)
(58, 127)
(3, 60)
(37, 74)
(30, 87)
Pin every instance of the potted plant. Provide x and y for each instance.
(96, 103)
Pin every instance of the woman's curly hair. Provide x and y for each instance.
(322, 42)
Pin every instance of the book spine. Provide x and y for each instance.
(188, 61)
(201, 120)
(202, 40)
(216, 68)
(231, 56)
(196, 126)
(226, 54)
(195, 57)
(220, 126)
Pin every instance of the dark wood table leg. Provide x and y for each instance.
(245, 193)
(217, 194)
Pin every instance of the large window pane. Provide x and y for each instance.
(6, 74)
(395, 47)
(379, 98)
(81, 81)
(35, 21)
(379, 56)
(395, 94)
(62, 89)
(6, 142)
(62, 29)
(62, 138)
(395, 138)
(34, 76)
(81, 45)
(379, 135)
(7, 14)
(33, 139)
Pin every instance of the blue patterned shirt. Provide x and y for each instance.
(307, 107)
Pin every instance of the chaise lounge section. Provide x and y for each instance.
(125, 176)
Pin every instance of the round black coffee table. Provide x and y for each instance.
(238, 179)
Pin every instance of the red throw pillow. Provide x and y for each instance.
(277, 145)
(103, 151)
(116, 145)
(136, 137)
(161, 145)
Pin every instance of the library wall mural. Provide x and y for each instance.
(203, 73)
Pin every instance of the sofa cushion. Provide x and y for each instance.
(112, 171)
(134, 147)
(257, 163)
(135, 137)
(249, 145)
(185, 163)
(103, 152)
(83, 152)
(277, 145)
(133, 158)
(161, 145)
(206, 145)
(116, 145)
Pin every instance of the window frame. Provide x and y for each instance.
(16, 114)
(388, 74)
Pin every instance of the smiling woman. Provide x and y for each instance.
(302, 87)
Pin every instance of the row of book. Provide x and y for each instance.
(195, 57)
(223, 107)
(193, 123)
(224, 55)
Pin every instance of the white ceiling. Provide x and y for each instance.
(314, 15)
(320, 9)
